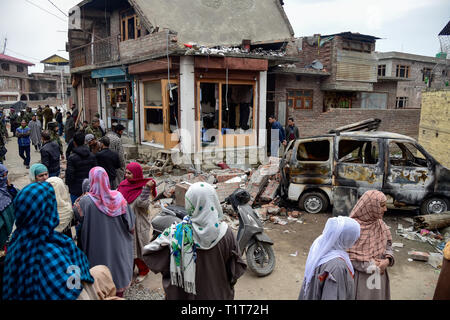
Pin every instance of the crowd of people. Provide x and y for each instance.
(82, 238)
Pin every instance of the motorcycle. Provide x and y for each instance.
(251, 238)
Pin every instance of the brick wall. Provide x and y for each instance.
(148, 44)
(434, 131)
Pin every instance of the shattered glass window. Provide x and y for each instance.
(357, 151)
(314, 151)
(406, 155)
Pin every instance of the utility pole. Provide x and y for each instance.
(4, 45)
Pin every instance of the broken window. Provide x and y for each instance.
(406, 155)
(382, 70)
(173, 107)
(426, 73)
(402, 71)
(209, 112)
(153, 108)
(314, 151)
(130, 26)
(237, 108)
(357, 151)
(300, 99)
(152, 94)
(154, 120)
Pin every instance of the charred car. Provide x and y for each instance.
(338, 167)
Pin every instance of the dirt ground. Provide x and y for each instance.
(409, 280)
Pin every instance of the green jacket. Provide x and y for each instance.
(55, 137)
(95, 131)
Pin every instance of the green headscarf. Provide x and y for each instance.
(37, 169)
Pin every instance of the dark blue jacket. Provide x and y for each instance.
(281, 135)
(23, 135)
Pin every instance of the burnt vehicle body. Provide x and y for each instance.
(338, 167)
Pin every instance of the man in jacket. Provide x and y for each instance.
(291, 131)
(23, 135)
(94, 129)
(108, 160)
(115, 144)
(48, 115)
(53, 129)
(277, 136)
(50, 156)
(80, 162)
(59, 120)
(69, 128)
(14, 121)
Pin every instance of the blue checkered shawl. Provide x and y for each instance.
(42, 264)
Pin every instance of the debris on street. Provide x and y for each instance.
(418, 255)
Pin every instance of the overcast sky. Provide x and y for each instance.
(410, 26)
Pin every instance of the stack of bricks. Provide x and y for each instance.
(225, 189)
(225, 175)
(271, 191)
(256, 185)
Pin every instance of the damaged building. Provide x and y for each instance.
(168, 79)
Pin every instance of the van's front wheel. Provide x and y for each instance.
(313, 202)
(434, 205)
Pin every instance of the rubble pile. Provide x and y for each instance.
(222, 50)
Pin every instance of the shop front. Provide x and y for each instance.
(116, 98)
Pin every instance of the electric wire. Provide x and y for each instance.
(28, 1)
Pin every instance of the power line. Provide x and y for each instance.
(20, 54)
(46, 10)
(58, 8)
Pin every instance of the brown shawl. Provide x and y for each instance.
(374, 232)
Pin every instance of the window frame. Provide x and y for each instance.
(293, 98)
(20, 68)
(382, 70)
(400, 68)
(124, 17)
(426, 72)
(5, 66)
(404, 101)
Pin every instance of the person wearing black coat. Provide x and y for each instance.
(108, 160)
(50, 155)
(80, 162)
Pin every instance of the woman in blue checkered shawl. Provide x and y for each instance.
(42, 264)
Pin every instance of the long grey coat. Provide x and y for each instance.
(108, 240)
(35, 135)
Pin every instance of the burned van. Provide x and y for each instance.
(338, 167)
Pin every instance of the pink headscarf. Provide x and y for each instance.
(111, 203)
(131, 189)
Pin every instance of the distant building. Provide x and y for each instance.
(13, 79)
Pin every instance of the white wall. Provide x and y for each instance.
(187, 104)
(262, 108)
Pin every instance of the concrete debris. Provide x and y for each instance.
(277, 220)
(397, 245)
(294, 254)
(435, 260)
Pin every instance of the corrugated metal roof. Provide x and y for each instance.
(446, 30)
(217, 22)
(4, 57)
(55, 59)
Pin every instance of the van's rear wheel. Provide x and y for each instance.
(434, 205)
(313, 202)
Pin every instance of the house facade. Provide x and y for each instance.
(342, 80)
(13, 79)
(157, 75)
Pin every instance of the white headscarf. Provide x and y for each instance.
(339, 234)
(201, 229)
(203, 206)
(63, 202)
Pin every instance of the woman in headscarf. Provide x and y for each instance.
(38, 173)
(328, 271)
(64, 205)
(42, 264)
(139, 193)
(442, 291)
(372, 253)
(107, 229)
(199, 257)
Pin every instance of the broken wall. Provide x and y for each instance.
(434, 131)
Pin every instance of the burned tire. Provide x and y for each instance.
(313, 202)
(261, 258)
(434, 205)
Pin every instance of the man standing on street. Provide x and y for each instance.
(69, 128)
(94, 129)
(48, 116)
(53, 129)
(50, 156)
(291, 131)
(40, 115)
(108, 160)
(102, 123)
(115, 144)
(23, 135)
(36, 128)
(14, 121)
(59, 120)
(80, 162)
(277, 136)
